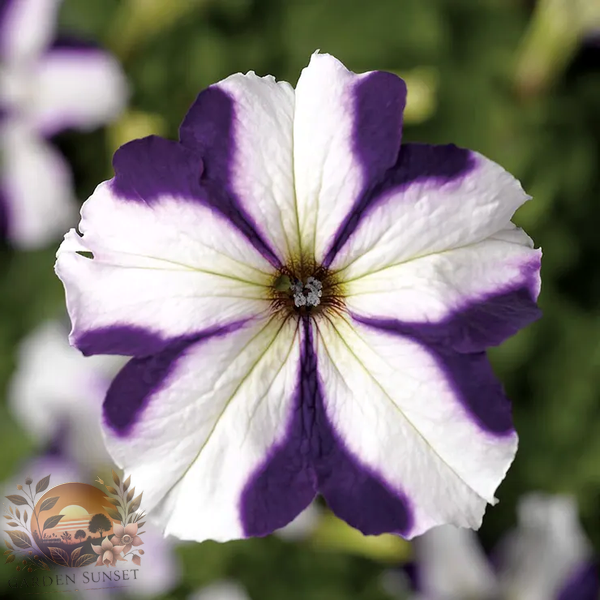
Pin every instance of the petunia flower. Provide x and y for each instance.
(548, 557)
(126, 536)
(220, 590)
(45, 86)
(248, 391)
(108, 553)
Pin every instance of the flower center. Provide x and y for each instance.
(308, 294)
(305, 288)
(126, 539)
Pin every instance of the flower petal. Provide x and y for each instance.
(165, 265)
(137, 541)
(435, 434)
(97, 549)
(106, 544)
(242, 129)
(26, 27)
(37, 208)
(208, 434)
(347, 131)
(451, 563)
(537, 558)
(131, 529)
(119, 532)
(77, 86)
(436, 198)
(493, 285)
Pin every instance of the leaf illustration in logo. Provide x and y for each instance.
(25, 517)
(75, 555)
(137, 560)
(10, 558)
(42, 484)
(112, 513)
(44, 565)
(16, 499)
(49, 503)
(135, 504)
(8, 545)
(130, 494)
(52, 521)
(111, 490)
(8, 517)
(59, 556)
(112, 501)
(13, 524)
(141, 524)
(126, 484)
(20, 539)
(18, 513)
(85, 560)
(115, 477)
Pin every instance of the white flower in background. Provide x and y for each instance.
(56, 395)
(303, 525)
(307, 302)
(547, 557)
(45, 86)
(220, 590)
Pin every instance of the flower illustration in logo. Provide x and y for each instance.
(126, 536)
(108, 553)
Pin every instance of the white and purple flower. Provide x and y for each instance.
(547, 557)
(248, 392)
(45, 86)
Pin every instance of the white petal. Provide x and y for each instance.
(435, 288)
(77, 87)
(452, 564)
(26, 27)
(54, 385)
(537, 558)
(329, 123)
(221, 590)
(403, 414)
(168, 269)
(242, 129)
(206, 435)
(37, 183)
(437, 198)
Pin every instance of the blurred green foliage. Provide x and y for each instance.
(468, 62)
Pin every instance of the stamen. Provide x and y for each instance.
(308, 294)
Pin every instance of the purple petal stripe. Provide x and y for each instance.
(142, 377)
(312, 458)
(153, 167)
(416, 163)
(208, 130)
(583, 584)
(458, 345)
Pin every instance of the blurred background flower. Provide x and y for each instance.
(518, 80)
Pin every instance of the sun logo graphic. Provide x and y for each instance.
(73, 525)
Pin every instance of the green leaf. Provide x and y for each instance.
(49, 503)
(52, 521)
(20, 539)
(42, 484)
(16, 499)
